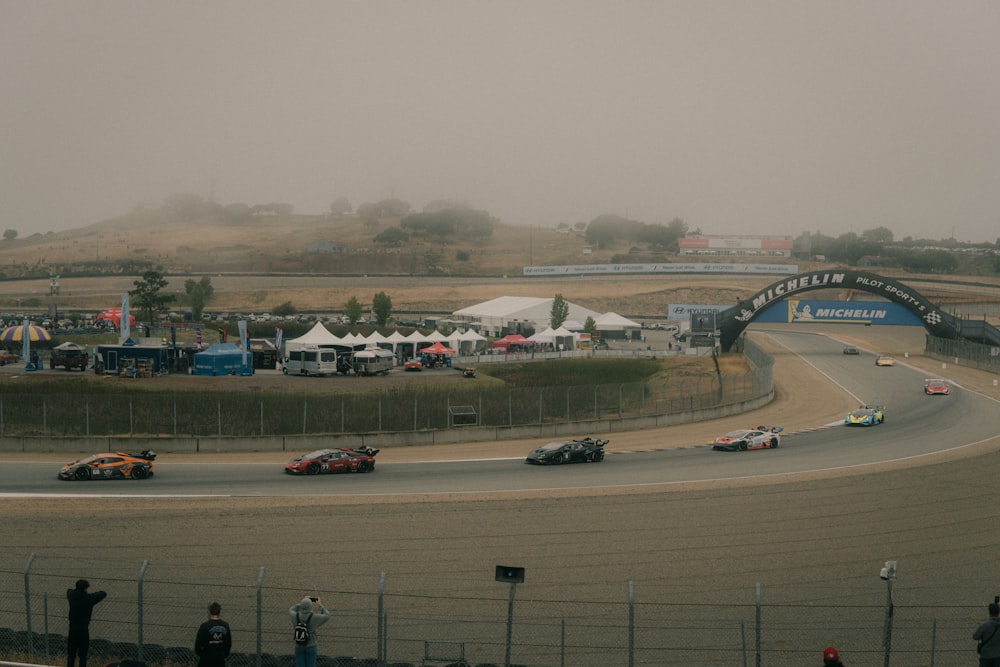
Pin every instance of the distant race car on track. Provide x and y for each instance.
(850, 349)
(884, 360)
(587, 450)
(762, 437)
(866, 415)
(936, 386)
(325, 461)
(113, 465)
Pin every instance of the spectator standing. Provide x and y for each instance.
(214, 640)
(81, 607)
(988, 637)
(831, 657)
(311, 612)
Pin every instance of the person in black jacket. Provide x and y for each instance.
(214, 639)
(81, 606)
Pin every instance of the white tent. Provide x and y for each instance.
(547, 336)
(469, 341)
(615, 322)
(318, 335)
(565, 337)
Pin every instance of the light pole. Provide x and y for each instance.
(887, 574)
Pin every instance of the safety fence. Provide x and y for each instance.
(385, 620)
(402, 409)
(964, 352)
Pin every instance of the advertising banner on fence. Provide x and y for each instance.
(689, 267)
(840, 312)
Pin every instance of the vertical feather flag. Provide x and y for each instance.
(125, 330)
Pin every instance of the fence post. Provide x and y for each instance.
(380, 635)
(260, 616)
(86, 410)
(562, 643)
(631, 623)
(27, 604)
(45, 419)
(757, 622)
(45, 627)
(175, 416)
(142, 576)
(262, 417)
(131, 417)
(218, 416)
(621, 399)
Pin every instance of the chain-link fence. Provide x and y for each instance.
(965, 352)
(153, 413)
(395, 621)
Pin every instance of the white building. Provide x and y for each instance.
(513, 314)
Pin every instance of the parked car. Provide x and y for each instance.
(327, 461)
(69, 356)
(866, 415)
(413, 365)
(936, 386)
(744, 439)
(112, 465)
(8, 358)
(587, 450)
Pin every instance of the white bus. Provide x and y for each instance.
(310, 360)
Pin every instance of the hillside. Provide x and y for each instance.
(281, 244)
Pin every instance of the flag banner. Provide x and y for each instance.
(124, 328)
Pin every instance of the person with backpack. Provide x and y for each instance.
(988, 636)
(306, 617)
(81, 606)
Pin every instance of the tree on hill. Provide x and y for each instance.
(559, 312)
(340, 206)
(382, 307)
(198, 291)
(450, 224)
(9, 234)
(148, 295)
(393, 236)
(352, 310)
(387, 208)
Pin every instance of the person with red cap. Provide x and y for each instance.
(831, 658)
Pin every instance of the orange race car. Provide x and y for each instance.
(116, 465)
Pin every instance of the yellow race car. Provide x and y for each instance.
(884, 360)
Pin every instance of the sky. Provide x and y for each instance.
(766, 117)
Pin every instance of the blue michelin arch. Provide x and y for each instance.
(732, 321)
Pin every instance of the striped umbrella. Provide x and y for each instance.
(15, 333)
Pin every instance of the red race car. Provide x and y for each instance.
(324, 461)
(936, 386)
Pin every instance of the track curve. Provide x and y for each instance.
(916, 425)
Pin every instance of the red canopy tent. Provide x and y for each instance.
(114, 316)
(437, 348)
(516, 340)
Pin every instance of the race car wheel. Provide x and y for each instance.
(312, 468)
(774, 443)
(598, 457)
(558, 458)
(81, 473)
(743, 445)
(140, 472)
(364, 466)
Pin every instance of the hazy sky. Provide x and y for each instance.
(738, 117)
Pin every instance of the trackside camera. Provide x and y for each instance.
(510, 575)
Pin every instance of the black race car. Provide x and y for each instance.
(587, 450)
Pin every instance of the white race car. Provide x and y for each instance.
(762, 437)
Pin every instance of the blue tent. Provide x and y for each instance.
(222, 359)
